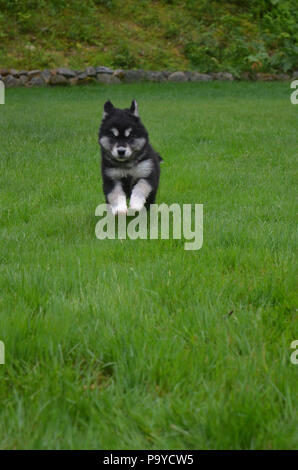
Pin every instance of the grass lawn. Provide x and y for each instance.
(141, 344)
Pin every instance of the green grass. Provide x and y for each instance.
(140, 344)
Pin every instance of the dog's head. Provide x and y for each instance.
(122, 134)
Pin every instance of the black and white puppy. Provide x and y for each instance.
(130, 167)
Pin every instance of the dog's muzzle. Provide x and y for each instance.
(121, 153)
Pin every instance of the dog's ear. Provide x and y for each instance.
(107, 108)
(134, 108)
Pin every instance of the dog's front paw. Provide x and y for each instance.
(136, 207)
(136, 204)
(119, 210)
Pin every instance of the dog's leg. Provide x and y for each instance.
(139, 194)
(150, 199)
(117, 199)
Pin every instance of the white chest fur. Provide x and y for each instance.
(141, 170)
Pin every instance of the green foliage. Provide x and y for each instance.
(171, 31)
(209, 35)
(106, 3)
(261, 36)
(123, 58)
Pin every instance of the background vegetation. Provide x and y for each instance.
(208, 35)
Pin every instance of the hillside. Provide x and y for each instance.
(210, 36)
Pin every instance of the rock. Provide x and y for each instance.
(226, 76)
(131, 76)
(107, 78)
(265, 77)
(102, 69)
(37, 81)
(11, 81)
(23, 79)
(188, 74)
(73, 81)
(155, 76)
(83, 78)
(46, 75)
(14, 73)
(246, 76)
(66, 72)
(58, 80)
(200, 77)
(34, 73)
(283, 76)
(90, 71)
(4, 72)
(102, 74)
(119, 73)
(177, 77)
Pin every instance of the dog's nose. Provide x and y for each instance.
(121, 152)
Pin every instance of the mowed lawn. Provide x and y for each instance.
(137, 344)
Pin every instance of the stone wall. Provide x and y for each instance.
(64, 76)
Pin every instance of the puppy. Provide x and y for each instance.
(130, 167)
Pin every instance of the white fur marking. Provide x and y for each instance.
(142, 170)
(116, 173)
(115, 131)
(127, 149)
(105, 142)
(136, 111)
(139, 143)
(117, 199)
(139, 195)
(127, 132)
